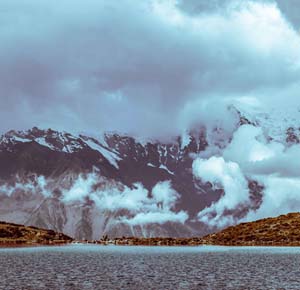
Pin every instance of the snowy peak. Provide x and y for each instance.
(122, 145)
(113, 147)
(56, 141)
(279, 125)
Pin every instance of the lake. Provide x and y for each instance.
(116, 267)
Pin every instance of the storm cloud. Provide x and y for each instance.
(142, 67)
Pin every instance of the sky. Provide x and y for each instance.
(158, 68)
(151, 68)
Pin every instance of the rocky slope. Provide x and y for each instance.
(13, 234)
(278, 231)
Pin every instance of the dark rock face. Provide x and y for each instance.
(293, 135)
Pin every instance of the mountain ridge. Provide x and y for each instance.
(62, 157)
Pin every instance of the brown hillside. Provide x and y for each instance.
(279, 231)
(13, 234)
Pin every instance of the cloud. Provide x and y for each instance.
(289, 8)
(165, 195)
(34, 185)
(136, 205)
(281, 196)
(80, 189)
(141, 208)
(112, 199)
(257, 156)
(159, 209)
(134, 65)
(254, 148)
(158, 68)
(156, 217)
(225, 175)
(251, 156)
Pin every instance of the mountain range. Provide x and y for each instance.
(113, 184)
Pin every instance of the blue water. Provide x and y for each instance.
(110, 267)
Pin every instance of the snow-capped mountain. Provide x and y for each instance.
(59, 158)
(116, 184)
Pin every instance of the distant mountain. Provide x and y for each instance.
(76, 183)
(278, 231)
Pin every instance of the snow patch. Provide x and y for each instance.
(110, 156)
(166, 168)
(150, 164)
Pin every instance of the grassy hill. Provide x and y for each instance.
(283, 230)
(13, 234)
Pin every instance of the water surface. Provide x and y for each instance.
(108, 267)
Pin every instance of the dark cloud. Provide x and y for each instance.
(202, 6)
(136, 66)
(291, 9)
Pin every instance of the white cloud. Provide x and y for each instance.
(35, 185)
(281, 196)
(80, 189)
(156, 217)
(147, 61)
(112, 198)
(164, 194)
(248, 145)
(141, 207)
(251, 156)
(225, 175)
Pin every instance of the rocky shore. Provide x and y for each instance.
(157, 241)
(283, 230)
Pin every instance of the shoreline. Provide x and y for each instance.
(109, 243)
(31, 245)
